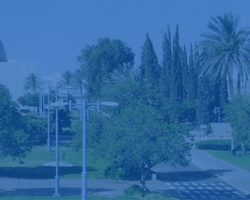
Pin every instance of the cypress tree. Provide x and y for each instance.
(193, 77)
(206, 99)
(176, 90)
(149, 68)
(166, 64)
(185, 74)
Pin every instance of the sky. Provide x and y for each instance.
(46, 36)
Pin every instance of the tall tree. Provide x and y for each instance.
(149, 68)
(98, 61)
(166, 64)
(177, 77)
(206, 100)
(226, 51)
(67, 81)
(14, 140)
(193, 76)
(32, 83)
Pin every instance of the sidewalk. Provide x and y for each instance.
(232, 175)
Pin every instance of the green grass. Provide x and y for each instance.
(149, 197)
(40, 155)
(242, 161)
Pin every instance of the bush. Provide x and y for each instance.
(134, 190)
(221, 145)
(37, 130)
(114, 171)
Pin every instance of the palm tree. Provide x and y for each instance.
(225, 53)
(67, 80)
(79, 82)
(32, 83)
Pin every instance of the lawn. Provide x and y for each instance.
(242, 161)
(40, 155)
(149, 197)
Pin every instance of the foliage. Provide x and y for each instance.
(238, 114)
(32, 83)
(134, 190)
(14, 141)
(29, 99)
(149, 68)
(225, 51)
(64, 119)
(36, 128)
(137, 138)
(98, 61)
(219, 145)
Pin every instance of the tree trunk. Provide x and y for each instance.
(243, 148)
(143, 184)
(232, 146)
(230, 89)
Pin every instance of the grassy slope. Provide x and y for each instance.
(150, 197)
(40, 155)
(242, 161)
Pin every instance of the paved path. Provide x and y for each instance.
(184, 190)
(233, 175)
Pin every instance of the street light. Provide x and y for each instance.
(84, 139)
(57, 149)
(48, 119)
(84, 105)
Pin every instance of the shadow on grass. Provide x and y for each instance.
(39, 172)
(190, 175)
(49, 192)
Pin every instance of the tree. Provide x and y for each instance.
(226, 50)
(29, 99)
(149, 68)
(177, 71)
(98, 61)
(165, 77)
(32, 83)
(138, 138)
(238, 114)
(79, 82)
(67, 81)
(193, 77)
(14, 141)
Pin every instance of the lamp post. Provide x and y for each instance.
(84, 150)
(85, 105)
(57, 149)
(48, 119)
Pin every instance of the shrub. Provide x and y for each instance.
(221, 145)
(134, 190)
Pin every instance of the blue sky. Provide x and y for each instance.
(45, 36)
